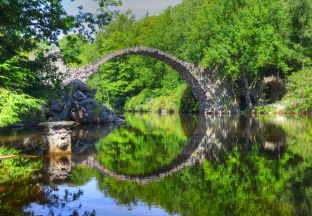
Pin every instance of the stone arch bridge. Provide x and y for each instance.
(212, 94)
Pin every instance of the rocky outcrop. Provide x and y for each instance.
(81, 106)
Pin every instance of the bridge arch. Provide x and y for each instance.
(211, 95)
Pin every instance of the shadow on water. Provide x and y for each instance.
(168, 164)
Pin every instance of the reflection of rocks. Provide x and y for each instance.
(274, 137)
(85, 137)
(57, 138)
(81, 106)
(57, 169)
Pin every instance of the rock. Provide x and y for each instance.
(81, 106)
(79, 96)
(91, 94)
(55, 118)
(104, 116)
(120, 121)
(105, 109)
(77, 85)
(90, 102)
(121, 117)
(55, 106)
(67, 101)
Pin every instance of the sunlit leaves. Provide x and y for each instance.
(13, 104)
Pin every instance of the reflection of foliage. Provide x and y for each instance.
(14, 176)
(59, 201)
(245, 183)
(16, 194)
(82, 174)
(299, 133)
(147, 144)
(12, 169)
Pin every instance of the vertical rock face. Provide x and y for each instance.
(80, 106)
(213, 95)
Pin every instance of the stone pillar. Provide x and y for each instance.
(59, 141)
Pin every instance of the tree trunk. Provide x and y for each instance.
(246, 89)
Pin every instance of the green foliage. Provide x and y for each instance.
(258, 38)
(14, 74)
(250, 38)
(148, 143)
(299, 91)
(71, 46)
(178, 99)
(26, 28)
(245, 182)
(13, 105)
(301, 36)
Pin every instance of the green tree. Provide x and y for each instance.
(24, 27)
(301, 35)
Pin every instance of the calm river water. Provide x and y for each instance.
(163, 165)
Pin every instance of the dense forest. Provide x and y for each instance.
(263, 47)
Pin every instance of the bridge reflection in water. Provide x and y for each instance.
(211, 139)
(188, 165)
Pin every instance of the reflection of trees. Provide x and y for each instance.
(54, 201)
(145, 145)
(240, 166)
(17, 193)
(212, 139)
(252, 171)
(40, 187)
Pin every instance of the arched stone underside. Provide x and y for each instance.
(212, 94)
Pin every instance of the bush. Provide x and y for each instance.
(299, 91)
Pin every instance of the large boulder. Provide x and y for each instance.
(81, 106)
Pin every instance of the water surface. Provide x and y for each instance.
(164, 165)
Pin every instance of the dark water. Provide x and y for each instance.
(163, 165)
